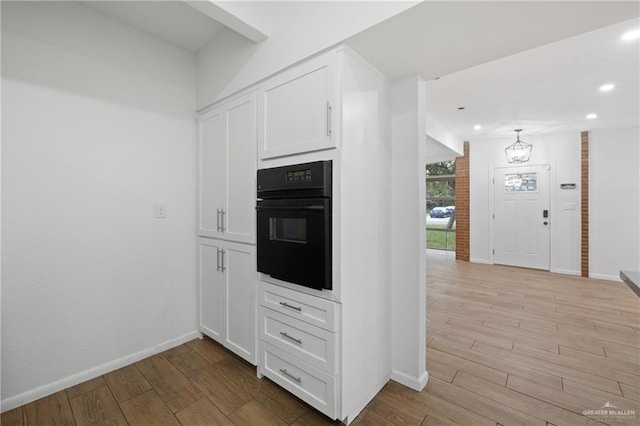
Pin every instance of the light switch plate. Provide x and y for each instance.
(161, 210)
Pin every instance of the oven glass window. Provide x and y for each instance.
(291, 230)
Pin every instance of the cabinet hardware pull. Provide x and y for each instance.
(328, 119)
(291, 376)
(218, 220)
(284, 334)
(222, 265)
(286, 305)
(218, 260)
(222, 214)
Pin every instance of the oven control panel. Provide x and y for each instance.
(299, 175)
(297, 180)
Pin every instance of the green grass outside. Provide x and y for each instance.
(437, 239)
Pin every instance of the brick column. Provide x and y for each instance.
(584, 188)
(462, 205)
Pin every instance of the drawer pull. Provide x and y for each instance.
(291, 376)
(284, 334)
(286, 305)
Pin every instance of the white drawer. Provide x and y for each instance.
(305, 341)
(312, 385)
(305, 307)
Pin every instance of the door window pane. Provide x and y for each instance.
(521, 182)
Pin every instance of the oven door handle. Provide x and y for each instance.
(316, 208)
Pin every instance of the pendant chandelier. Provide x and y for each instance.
(519, 151)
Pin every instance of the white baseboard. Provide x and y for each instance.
(476, 260)
(566, 272)
(415, 383)
(51, 388)
(605, 277)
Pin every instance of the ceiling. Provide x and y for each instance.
(530, 65)
(520, 64)
(550, 88)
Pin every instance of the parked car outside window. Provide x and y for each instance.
(450, 210)
(438, 212)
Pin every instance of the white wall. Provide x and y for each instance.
(298, 30)
(97, 126)
(614, 202)
(408, 234)
(442, 144)
(562, 151)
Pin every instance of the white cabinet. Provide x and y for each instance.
(299, 344)
(227, 302)
(227, 138)
(298, 109)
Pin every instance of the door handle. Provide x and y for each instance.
(218, 260)
(222, 214)
(222, 265)
(218, 220)
(328, 119)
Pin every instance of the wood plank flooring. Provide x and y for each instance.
(505, 346)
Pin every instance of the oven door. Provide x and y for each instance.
(294, 240)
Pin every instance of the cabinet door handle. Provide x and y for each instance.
(222, 265)
(222, 214)
(284, 334)
(218, 220)
(291, 376)
(286, 305)
(218, 260)
(328, 119)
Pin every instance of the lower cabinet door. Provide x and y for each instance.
(211, 285)
(240, 300)
(227, 295)
(314, 386)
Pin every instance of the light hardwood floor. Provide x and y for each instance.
(505, 346)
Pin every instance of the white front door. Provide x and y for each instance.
(521, 216)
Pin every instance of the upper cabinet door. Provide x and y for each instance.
(239, 218)
(211, 173)
(227, 146)
(299, 109)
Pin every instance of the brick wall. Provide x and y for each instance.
(462, 205)
(584, 188)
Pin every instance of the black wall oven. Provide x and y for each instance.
(294, 223)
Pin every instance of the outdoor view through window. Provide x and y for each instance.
(441, 205)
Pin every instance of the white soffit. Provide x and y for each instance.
(173, 21)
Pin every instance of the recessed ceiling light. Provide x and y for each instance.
(631, 35)
(477, 127)
(607, 87)
(592, 116)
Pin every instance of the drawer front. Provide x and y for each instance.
(312, 385)
(305, 307)
(307, 342)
